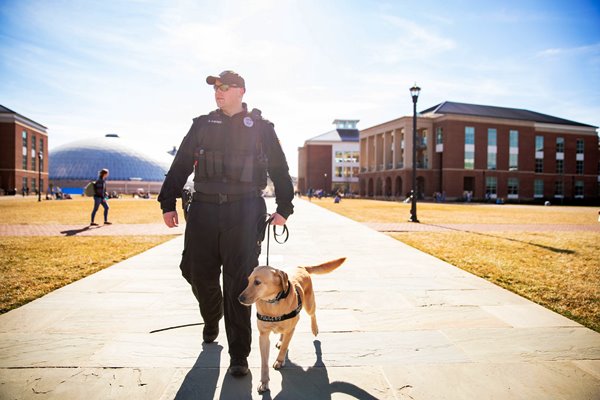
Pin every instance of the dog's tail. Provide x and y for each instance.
(325, 268)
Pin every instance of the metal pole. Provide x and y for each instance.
(413, 205)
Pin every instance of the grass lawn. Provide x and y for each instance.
(18, 210)
(559, 270)
(30, 267)
(459, 213)
(33, 266)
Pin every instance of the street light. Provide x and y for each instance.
(40, 158)
(414, 92)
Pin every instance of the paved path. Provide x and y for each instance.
(160, 229)
(86, 230)
(395, 323)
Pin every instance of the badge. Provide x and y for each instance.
(248, 122)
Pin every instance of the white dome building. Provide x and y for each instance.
(73, 165)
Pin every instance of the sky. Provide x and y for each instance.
(137, 68)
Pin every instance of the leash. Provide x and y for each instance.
(266, 228)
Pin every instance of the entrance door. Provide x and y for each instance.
(469, 183)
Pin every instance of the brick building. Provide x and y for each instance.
(484, 151)
(22, 141)
(330, 161)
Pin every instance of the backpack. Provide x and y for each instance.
(90, 189)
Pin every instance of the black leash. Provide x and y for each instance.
(267, 228)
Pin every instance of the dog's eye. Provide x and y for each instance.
(256, 282)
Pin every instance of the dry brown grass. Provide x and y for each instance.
(33, 266)
(458, 213)
(559, 270)
(18, 210)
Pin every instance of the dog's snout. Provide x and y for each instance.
(242, 299)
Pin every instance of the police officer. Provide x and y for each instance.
(230, 151)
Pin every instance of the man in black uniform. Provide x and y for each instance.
(230, 151)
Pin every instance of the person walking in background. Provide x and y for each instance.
(230, 151)
(100, 197)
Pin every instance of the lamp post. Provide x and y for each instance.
(40, 158)
(324, 183)
(414, 92)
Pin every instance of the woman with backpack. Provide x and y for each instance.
(100, 197)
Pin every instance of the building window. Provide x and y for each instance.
(579, 146)
(538, 188)
(491, 161)
(539, 165)
(33, 153)
(33, 185)
(513, 162)
(25, 152)
(439, 136)
(513, 139)
(339, 156)
(491, 186)
(513, 157)
(24, 184)
(492, 149)
(469, 147)
(469, 159)
(338, 172)
(579, 189)
(355, 172)
(579, 167)
(560, 166)
(558, 189)
(25, 157)
(492, 135)
(539, 143)
(469, 135)
(560, 145)
(513, 188)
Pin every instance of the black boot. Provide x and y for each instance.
(238, 366)
(210, 332)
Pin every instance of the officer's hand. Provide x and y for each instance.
(171, 219)
(278, 219)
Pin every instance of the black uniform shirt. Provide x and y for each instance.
(226, 129)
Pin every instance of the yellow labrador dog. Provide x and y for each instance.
(279, 300)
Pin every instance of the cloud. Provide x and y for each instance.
(410, 42)
(593, 49)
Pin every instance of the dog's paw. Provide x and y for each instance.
(263, 387)
(278, 364)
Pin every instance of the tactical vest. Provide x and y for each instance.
(230, 159)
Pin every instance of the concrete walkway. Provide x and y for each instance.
(394, 323)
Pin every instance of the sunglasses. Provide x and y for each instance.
(223, 87)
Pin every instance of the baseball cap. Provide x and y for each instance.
(230, 78)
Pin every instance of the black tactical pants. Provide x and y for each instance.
(223, 235)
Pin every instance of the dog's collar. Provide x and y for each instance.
(283, 317)
(280, 296)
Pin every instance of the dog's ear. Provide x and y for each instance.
(284, 279)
